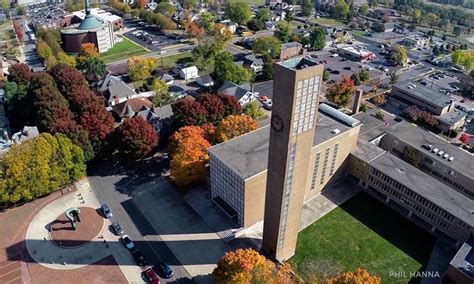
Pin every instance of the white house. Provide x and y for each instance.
(189, 73)
(231, 26)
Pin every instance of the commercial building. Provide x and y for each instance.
(356, 54)
(291, 49)
(90, 30)
(114, 20)
(415, 41)
(426, 94)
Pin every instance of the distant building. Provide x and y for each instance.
(205, 81)
(461, 267)
(415, 41)
(25, 134)
(114, 20)
(189, 73)
(231, 26)
(291, 49)
(242, 93)
(356, 54)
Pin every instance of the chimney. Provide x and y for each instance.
(357, 101)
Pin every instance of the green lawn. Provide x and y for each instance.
(362, 233)
(254, 2)
(185, 58)
(328, 22)
(122, 50)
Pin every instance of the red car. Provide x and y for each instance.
(152, 276)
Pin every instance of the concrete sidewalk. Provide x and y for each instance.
(46, 253)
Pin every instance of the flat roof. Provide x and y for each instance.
(366, 151)
(464, 258)
(426, 93)
(372, 127)
(416, 137)
(247, 155)
(452, 117)
(428, 187)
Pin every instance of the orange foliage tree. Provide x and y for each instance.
(189, 157)
(248, 266)
(341, 92)
(141, 4)
(233, 126)
(358, 276)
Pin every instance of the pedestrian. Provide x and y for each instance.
(44, 238)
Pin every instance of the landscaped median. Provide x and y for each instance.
(362, 232)
(122, 50)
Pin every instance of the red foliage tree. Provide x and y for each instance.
(188, 112)
(18, 30)
(97, 121)
(213, 105)
(136, 138)
(67, 78)
(19, 73)
(341, 91)
(464, 138)
(231, 105)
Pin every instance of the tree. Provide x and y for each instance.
(399, 55)
(253, 110)
(288, 16)
(464, 58)
(379, 115)
(372, 3)
(207, 21)
(431, 19)
(255, 25)
(355, 78)
(364, 9)
(43, 50)
(190, 4)
(66, 59)
(18, 31)
(161, 96)
(88, 50)
(378, 100)
(6, 5)
(465, 138)
(357, 276)
(227, 70)
(307, 8)
(341, 9)
(140, 68)
(317, 38)
(238, 12)
(19, 73)
(188, 112)
(188, 163)
(238, 266)
(364, 75)
(264, 14)
(325, 75)
(267, 45)
(457, 30)
(141, 4)
(231, 105)
(341, 91)
(282, 32)
(363, 108)
(165, 8)
(204, 54)
(93, 68)
(136, 138)
(394, 77)
(213, 106)
(234, 126)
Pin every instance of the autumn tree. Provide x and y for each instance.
(19, 73)
(231, 105)
(89, 63)
(341, 91)
(207, 20)
(253, 110)
(136, 138)
(378, 100)
(140, 68)
(213, 106)
(66, 59)
(161, 97)
(18, 30)
(399, 55)
(465, 138)
(234, 126)
(188, 163)
(43, 50)
(358, 276)
(186, 111)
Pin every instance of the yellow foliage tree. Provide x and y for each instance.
(358, 276)
(140, 68)
(66, 59)
(235, 125)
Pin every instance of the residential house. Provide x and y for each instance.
(205, 81)
(231, 26)
(25, 134)
(118, 93)
(189, 73)
(242, 93)
(270, 25)
(168, 79)
(130, 107)
(252, 62)
(291, 49)
(159, 118)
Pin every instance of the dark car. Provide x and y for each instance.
(335, 72)
(117, 228)
(106, 211)
(164, 270)
(137, 255)
(151, 276)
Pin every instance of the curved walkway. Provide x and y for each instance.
(46, 253)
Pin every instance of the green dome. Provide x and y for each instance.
(89, 23)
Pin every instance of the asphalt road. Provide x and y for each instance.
(103, 182)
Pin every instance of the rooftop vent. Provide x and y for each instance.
(451, 159)
(446, 156)
(335, 131)
(440, 153)
(435, 150)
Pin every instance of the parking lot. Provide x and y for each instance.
(150, 37)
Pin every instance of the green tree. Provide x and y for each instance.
(325, 75)
(341, 10)
(43, 50)
(379, 115)
(364, 9)
(318, 38)
(372, 3)
(355, 78)
(431, 19)
(457, 30)
(307, 8)
(267, 45)
(399, 55)
(161, 97)
(93, 68)
(364, 75)
(253, 110)
(363, 108)
(288, 16)
(238, 12)
(264, 14)
(207, 21)
(165, 8)
(227, 70)
(394, 77)
(283, 32)
(140, 68)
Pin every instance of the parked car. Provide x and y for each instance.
(151, 276)
(127, 242)
(106, 211)
(117, 228)
(164, 270)
(266, 102)
(137, 255)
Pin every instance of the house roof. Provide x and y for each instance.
(206, 79)
(132, 105)
(108, 81)
(190, 69)
(120, 90)
(232, 89)
(291, 45)
(163, 112)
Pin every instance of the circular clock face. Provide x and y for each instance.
(277, 123)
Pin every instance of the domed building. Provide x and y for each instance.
(90, 30)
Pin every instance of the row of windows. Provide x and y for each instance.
(387, 183)
(315, 171)
(334, 156)
(449, 181)
(325, 164)
(286, 196)
(305, 105)
(423, 102)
